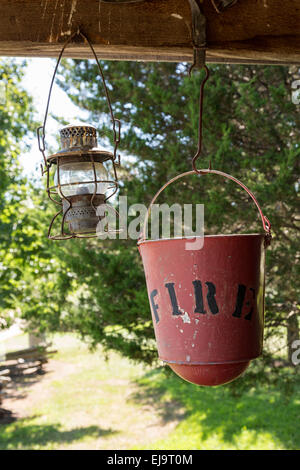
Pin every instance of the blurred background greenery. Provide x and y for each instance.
(97, 289)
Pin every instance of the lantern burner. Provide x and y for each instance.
(81, 212)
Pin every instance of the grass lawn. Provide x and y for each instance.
(84, 402)
(262, 417)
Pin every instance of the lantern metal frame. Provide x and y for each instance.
(85, 152)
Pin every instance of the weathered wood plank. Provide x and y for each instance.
(28, 353)
(251, 31)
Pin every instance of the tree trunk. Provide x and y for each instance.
(36, 339)
(292, 334)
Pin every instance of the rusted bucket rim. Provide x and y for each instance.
(183, 363)
(197, 237)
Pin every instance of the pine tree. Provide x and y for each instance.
(250, 131)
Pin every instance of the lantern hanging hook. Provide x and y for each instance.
(198, 36)
(41, 131)
(199, 49)
(220, 5)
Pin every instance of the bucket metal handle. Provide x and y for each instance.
(265, 222)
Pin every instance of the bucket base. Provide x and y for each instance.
(210, 374)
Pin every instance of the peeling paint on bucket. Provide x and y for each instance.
(225, 311)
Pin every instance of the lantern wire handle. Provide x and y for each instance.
(116, 131)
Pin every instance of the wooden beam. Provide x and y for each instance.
(261, 31)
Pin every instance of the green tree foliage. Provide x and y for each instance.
(29, 271)
(97, 288)
(15, 121)
(250, 131)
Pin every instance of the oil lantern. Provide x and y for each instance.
(84, 178)
(81, 177)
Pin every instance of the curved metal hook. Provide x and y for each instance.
(220, 5)
(199, 149)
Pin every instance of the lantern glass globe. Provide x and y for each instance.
(82, 173)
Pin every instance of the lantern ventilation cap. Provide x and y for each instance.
(78, 136)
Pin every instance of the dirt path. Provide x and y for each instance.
(129, 419)
(22, 396)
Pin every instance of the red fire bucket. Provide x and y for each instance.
(207, 304)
